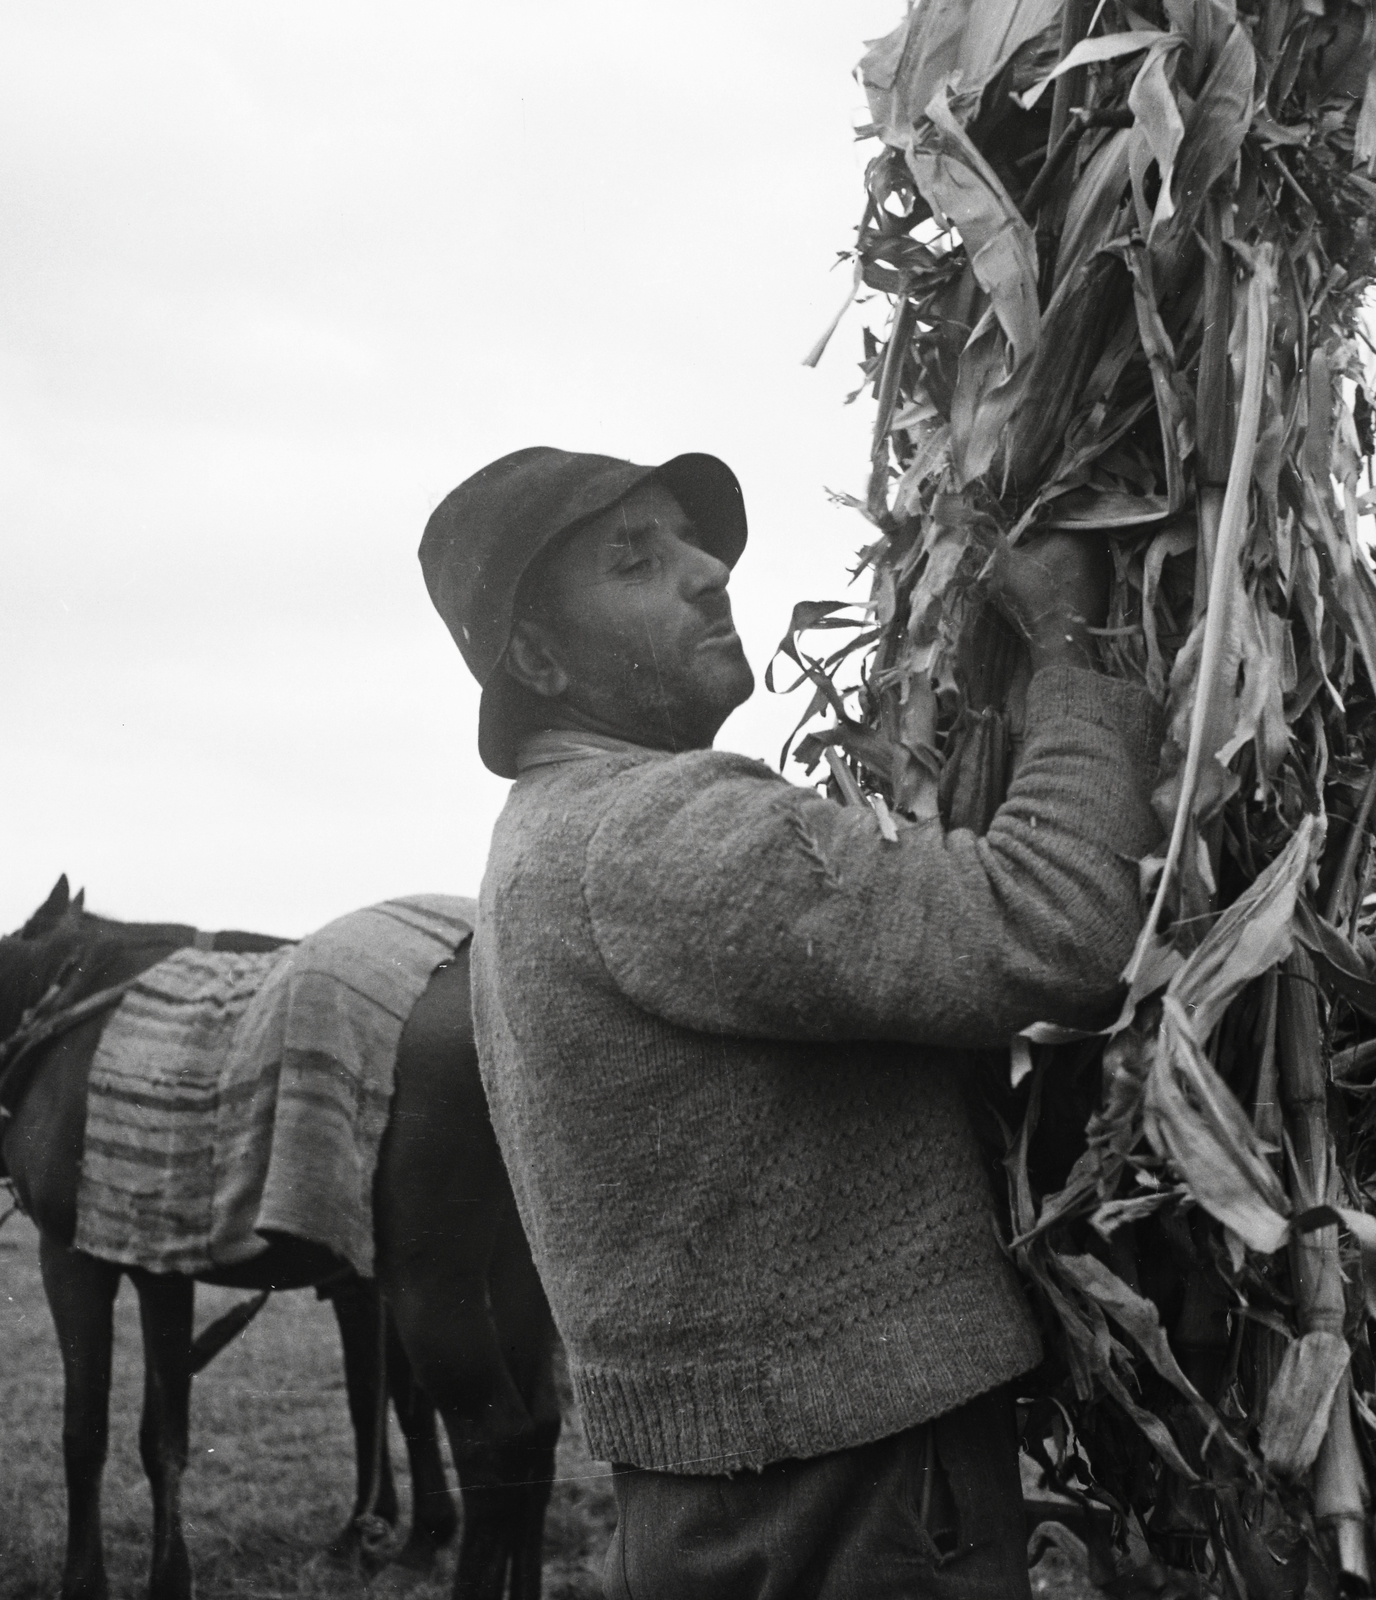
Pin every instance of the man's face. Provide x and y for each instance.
(633, 613)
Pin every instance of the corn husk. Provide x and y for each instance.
(1126, 249)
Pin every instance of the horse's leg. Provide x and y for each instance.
(434, 1521)
(526, 1331)
(356, 1308)
(449, 1337)
(440, 1200)
(165, 1309)
(81, 1296)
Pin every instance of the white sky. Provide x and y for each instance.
(275, 278)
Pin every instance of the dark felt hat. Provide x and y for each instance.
(483, 536)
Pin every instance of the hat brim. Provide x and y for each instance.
(501, 722)
(710, 493)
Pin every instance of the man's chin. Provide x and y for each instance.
(734, 687)
(747, 685)
(715, 692)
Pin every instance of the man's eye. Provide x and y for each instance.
(640, 564)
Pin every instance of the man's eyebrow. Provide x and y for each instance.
(626, 530)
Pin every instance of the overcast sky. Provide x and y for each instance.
(276, 277)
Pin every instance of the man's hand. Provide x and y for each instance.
(1053, 590)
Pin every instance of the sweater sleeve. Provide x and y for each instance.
(725, 900)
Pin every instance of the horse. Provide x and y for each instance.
(371, 1369)
(473, 1332)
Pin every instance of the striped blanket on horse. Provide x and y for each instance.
(233, 1094)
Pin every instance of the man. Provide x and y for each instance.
(722, 1021)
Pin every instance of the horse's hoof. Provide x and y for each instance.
(91, 1588)
(419, 1555)
(392, 1580)
(174, 1581)
(436, 1527)
(342, 1550)
(362, 1550)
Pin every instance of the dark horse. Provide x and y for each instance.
(452, 1266)
(362, 1320)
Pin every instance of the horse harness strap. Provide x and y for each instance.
(43, 1022)
(48, 1019)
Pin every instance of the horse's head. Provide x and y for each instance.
(32, 958)
(62, 930)
(60, 904)
(53, 941)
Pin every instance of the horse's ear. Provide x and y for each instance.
(50, 913)
(78, 901)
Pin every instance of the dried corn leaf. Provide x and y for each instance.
(1254, 934)
(1194, 1119)
(1344, 967)
(1214, 133)
(960, 186)
(1364, 144)
(1137, 1317)
(1107, 47)
(1096, 213)
(1297, 1408)
(1161, 127)
(1094, 1349)
(945, 39)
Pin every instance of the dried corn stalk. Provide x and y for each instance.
(1126, 247)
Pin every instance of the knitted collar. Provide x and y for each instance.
(553, 746)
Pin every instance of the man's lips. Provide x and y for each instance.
(718, 623)
(720, 633)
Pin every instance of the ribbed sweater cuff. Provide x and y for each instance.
(1124, 708)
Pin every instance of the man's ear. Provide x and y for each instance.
(532, 662)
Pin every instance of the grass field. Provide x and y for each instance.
(271, 1474)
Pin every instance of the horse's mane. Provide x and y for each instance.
(179, 934)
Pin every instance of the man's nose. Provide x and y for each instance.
(704, 573)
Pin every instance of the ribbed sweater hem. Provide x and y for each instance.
(867, 1382)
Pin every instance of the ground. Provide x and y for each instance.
(271, 1474)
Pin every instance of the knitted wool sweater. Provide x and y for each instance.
(721, 1022)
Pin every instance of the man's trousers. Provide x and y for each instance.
(933, 1513)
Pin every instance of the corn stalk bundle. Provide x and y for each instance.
(1126, 247)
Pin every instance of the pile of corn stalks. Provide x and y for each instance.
(1125, 246)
